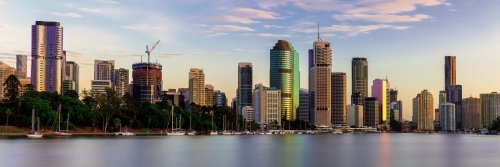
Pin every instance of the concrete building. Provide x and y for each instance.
(355, 115)
(437, 117)
(447, 116)
(174, 97)
(359, 76)
(47, 56)
(358, 99)
(73, 73)
(303, 105)
(121, 81)
(21, 66)
(320, 89)
(490, 107)
(147, 81)
(24, 86)
(371, 113)
(196, 86)
(380, 90)
(245, 83)
(220, 99)
(284, 75)
(99, 86)
(442, 97)
(248, 113)
(471, 113)
(393, 95)
(339, 98)
(68, 85)
(209, 95)
(423, 105)
(104, 70)
(450, 72)
(454, 95)
(267, 105)
(5, 72)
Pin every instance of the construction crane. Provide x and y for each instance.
(148, 51)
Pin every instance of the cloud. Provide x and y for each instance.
(108, 1)
(133, 27)
(2, 3)
(327, 35)
(231, 28)
(72, 53)
(66, 14)
(2, 26)
(170, 55)
(90, 10)
(239, 49)
(352, 30)
(216, 34)
(382, 18)
(7, 55)
(275, 35)
(201, 25)
(246, 16)
(272, 26)
(68, 5)
(243, 20)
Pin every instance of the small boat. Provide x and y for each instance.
(33, 133)
(299, 132)
(175, 132)
(237, 133)
(226, 132)
(213, 132)
(124, 133)
(337, 131)
(59, 131)
(191, 133)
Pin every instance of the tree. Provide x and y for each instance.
(495, 124)
(130, 122)
(11, 90)
(117, 122)
(72, 94)
(109, 104)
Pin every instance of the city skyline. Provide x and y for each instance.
(440, 34)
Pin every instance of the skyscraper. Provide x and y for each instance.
(147, 81)
(47, 70)
(450, 72)
(321, 84)
(196, 86)
(358, 99)
(423, 106)
(471, 113)
(121, 81)
(371, 112)
(454, 95)
(209, 94)
(447, 116)
(393, 95)
(303, 105)
(359, 76)
(490, 107)
(73, 74)
(380, 90)
(245, 83)
(21, 66)
(104, 70)
(284, 75)
(339, 95)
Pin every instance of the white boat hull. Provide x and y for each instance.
(34, 135)
(61, 134)
(124, 134)
(175, 134)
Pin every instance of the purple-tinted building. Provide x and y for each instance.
(380, 90)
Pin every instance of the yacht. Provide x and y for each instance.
(175, 132)
(124, 133)
(337, 131)
(59, 131)
(238, 133)
(33, 133)
(213, 132)
(226, 132)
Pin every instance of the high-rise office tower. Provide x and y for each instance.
(245, 83)
(284, 75)
(21, 66)
(423, 106)
(267, 105)
(5, 72)
(358, 99)
(454, 95)
(471, 113)
(359, 76)
(104, 70)
(442, 97)
(121, 81)
(447, 116)
(393, 95)
(196, 86)
(490, 107)
(371, 112)
(450, 72)
(303, 105)
(47, 69)
(321, 83)
(220, 99)
(380, 90)
(73, 74)
(339, 95)
(147, 81)
(209, 95)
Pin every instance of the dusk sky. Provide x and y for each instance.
(405, 40)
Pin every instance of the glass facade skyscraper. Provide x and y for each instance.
(284, 75)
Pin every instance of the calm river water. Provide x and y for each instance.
(356, 150)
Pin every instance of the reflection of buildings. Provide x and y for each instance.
(147, 81)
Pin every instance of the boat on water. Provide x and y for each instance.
(238, 133)
(33, 133)
(213, 133)
(175, 132)
(226, 132)
(299, 132)
(337, 131)
(190, 132)
(124, 133)
(59, 131)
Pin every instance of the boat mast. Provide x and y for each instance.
(172, 110)
(32, 120)
(38, 122)
(59, 112)
(67, 123)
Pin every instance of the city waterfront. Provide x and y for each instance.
(370, 149)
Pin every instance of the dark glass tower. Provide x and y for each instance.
(284, 75)
(360, 76)
(245, 81)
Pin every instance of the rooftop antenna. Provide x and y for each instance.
(141, 58)
(319, 38)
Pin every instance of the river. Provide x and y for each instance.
(356, 150)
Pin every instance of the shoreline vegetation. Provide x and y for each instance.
(105, 111)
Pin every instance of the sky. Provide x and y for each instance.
(403, 40)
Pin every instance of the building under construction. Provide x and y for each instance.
(147, 81)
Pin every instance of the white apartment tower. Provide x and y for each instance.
(267, 105)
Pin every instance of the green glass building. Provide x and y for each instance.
(284, 75)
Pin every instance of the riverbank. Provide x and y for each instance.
(13, 131)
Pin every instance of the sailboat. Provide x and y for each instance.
(225, 132)
(190, 132)
(213, 132)
(175, 132)
(59, 131)
(33, 133)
